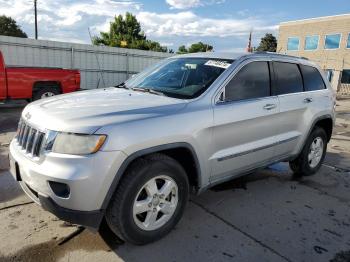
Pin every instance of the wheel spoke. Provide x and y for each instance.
(151, 188)
(167, 188)
(167, 207)
(311, 155)
(150, 219)
(142, 206)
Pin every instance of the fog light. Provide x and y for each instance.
(60, 189)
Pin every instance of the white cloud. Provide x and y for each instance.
(190, 24)
(183, 4)
(187, 4)
(67, 20)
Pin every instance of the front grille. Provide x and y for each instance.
(29, 139)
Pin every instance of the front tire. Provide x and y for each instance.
(311, 157)
(149, 201)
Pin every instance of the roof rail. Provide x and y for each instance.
(278, 54)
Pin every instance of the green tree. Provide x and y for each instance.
(195, 48)
(9, 27)
(182, 50)
(126, 32)
(268, 43)
(199, 47)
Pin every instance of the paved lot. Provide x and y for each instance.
(266, 216)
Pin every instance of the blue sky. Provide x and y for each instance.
(225, 24)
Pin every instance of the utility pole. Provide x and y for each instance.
(36, 19)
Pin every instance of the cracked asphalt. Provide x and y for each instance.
(265, 216)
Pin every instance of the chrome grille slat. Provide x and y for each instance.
(25, 136)
(23, 129)
(35, 140)
(20, 130)
(38, 144)
(30, 139)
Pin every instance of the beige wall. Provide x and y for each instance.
(337, 59)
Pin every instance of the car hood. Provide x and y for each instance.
(87, 111)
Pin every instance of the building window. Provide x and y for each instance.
(348, 46)
(332, 41)
(311, 42)
(345, 78)
(293, 44)
(329, 73)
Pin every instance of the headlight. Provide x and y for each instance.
(76, 144)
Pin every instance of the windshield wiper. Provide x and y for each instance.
(122, 85)
(148, 90)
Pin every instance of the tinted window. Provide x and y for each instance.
(312, 78)
(311, 42)
(288, 78)
(332, 41)
(293, 44)
(252, 81)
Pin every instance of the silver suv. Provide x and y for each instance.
(131, 154)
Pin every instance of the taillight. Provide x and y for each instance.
(77, 79)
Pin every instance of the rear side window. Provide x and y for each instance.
(312, 78)
(252, 81)
(288, 78)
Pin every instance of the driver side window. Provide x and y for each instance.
(252, 81)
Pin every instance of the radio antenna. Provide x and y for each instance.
(98, 63)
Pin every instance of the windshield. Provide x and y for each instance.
(180, 77)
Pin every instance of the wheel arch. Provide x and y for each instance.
(173, 150)
(327, 124)
(41, 84)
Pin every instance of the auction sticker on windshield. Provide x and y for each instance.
(217, 63)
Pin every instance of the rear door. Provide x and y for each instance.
(244, 133)
(317, 95)
(288, 86)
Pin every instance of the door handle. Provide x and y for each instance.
(308, 100)
(269, 106)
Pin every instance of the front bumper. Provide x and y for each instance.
(88, 177)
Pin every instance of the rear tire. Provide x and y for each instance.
(45, 92)
(311, 157)
(136, 214)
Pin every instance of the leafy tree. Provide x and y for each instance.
(195, 48)
(182, 50)
(9, 27)
(126, 32)
(200, 47)
(268, 43)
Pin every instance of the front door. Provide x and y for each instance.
(244, 122)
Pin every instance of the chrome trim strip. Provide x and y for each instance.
(257, 149)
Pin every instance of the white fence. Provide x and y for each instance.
(100, 66)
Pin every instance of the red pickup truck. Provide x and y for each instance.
(32, 83)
